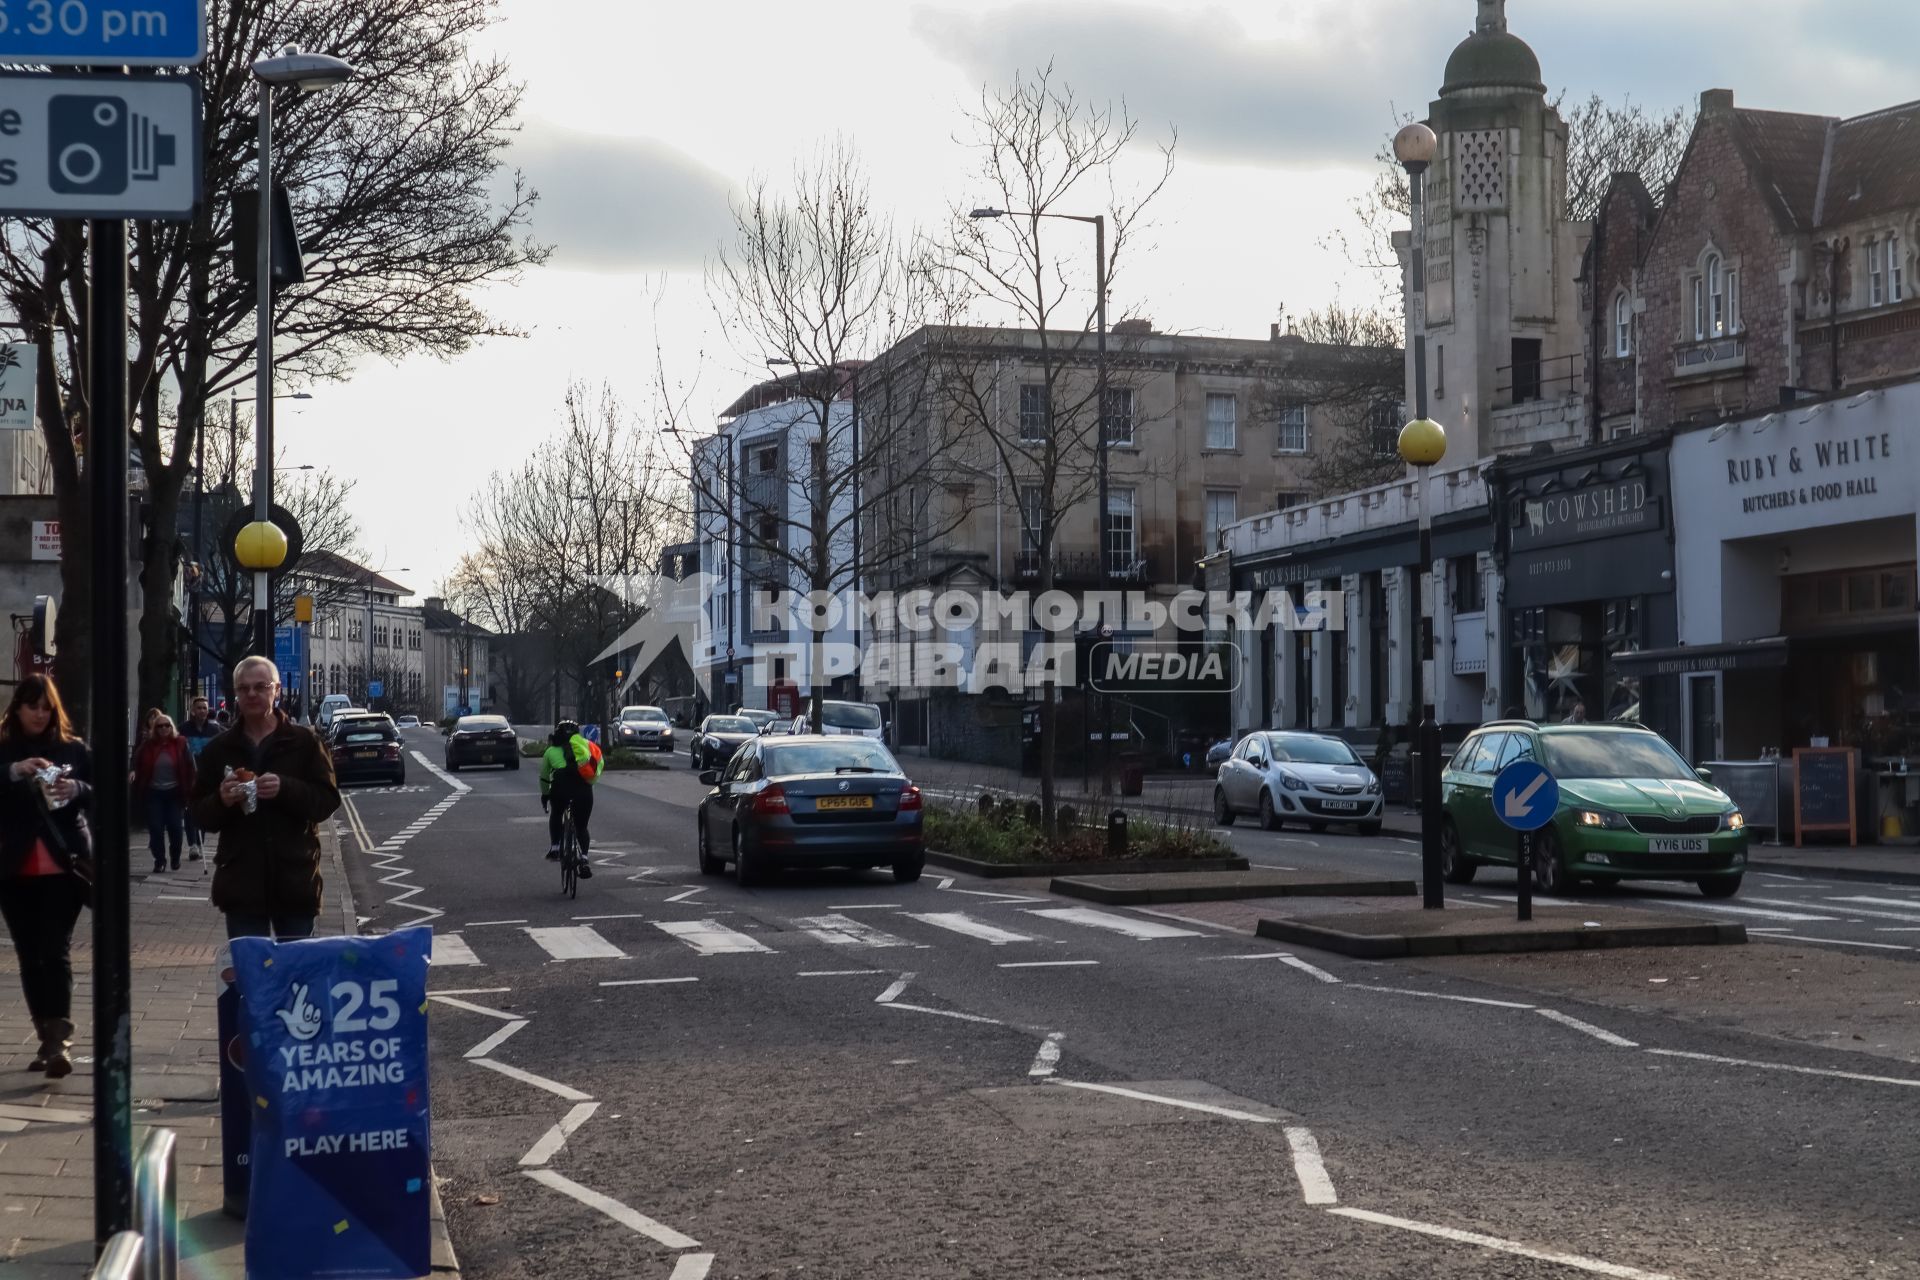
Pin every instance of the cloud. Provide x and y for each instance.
(620, 203)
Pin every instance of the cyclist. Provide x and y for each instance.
(568, 771)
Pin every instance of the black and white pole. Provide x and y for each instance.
(263, 374)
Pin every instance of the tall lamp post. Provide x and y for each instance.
(311, 73)
(1423, 442)
(1102, 429)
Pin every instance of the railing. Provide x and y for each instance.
(1081, 567)
(1525, 381)
(151, 1251)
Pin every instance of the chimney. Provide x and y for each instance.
(1716, 102)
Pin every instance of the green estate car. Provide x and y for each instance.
(1630, 808)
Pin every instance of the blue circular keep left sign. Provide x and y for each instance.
(1525, 796)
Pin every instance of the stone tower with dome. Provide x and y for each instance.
(1501, 307)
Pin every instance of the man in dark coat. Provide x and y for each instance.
(266, 869)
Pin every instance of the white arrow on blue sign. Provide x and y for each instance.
(104, 33)
(1525, 796)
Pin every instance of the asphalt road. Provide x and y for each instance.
(837, 1075)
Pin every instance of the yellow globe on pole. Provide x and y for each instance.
(1423, 442)
(260, 546)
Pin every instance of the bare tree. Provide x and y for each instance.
(1352, 370)
(1602, 139)
(390, 177)
(1043, 154)
(815, 281)
(484, 589)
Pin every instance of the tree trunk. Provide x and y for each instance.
(159, 628)
(73, 631)
(1049, 721)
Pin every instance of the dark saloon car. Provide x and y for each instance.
(482, 740)
(717, 738)
(810, 800)
(367, 749)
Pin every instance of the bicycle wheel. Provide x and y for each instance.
(569, 851)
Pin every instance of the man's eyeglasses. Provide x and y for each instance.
(268, 687)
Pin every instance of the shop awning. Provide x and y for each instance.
(1742, 655)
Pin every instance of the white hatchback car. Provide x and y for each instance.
(1309, 778)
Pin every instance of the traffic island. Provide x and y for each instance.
(1357, 929)
(1138, 890)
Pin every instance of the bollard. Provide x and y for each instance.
(1117, 834)
(236, 1120)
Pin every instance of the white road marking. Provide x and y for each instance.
(962, 923)
(626, 915)
(1891, 929)
(1142, 930)
(1204, 924)
(495, 1040)
(1049, 1056)
(1206, 1108)
(863, 906)
(575, 942)
(1295, 962)
(173, 897)
(46, 1115)
(892, 993)
(710, 937)
(845, 931)
(1315, 1185)
(1047, 964)
(946, 882)
(1502, 1246)
(1596, 1032)
(1437, 995)
(1783, 1066)
(632, 1219)
(481, 924)
(1008, 897)
(476, 1008)
(691, 1266)
(1775, 875)
(646, 982)
(1835, 942)
(555, 1138)
(554, 1087)
(1754, 911)
(838, 973)
(451, 949)
(944, 1013)
(1253, 955)
(683, 896)
(471, 991)
(1910, 916)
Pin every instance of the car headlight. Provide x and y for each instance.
(1736, 821)
(1373, 787)
(1600, 818)
(1292, 783)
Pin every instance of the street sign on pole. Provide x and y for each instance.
(104, 33)
(99, 146)
(1525, 797)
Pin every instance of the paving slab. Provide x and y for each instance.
(1355, 927)
(1222, 886)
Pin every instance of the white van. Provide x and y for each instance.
(854, 719)
(331, 705)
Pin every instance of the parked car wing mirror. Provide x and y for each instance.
(710, 777)
(1705, 775)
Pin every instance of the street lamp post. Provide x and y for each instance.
(310, 72)
(1423, 442)
(1103, 552)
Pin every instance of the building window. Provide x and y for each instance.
(1033, 411)
(1120, 415)
(1223, 421)
(1032, 507)
(1439, 369)
(1469, 594)
(1716, 297)
(1699, 309)
(333, 626)
(353, 630)
(1223, 508)
(1290, 498)
(1622, 327)
(1886, 274)
(1383, 429)
(1526, 370)
(766, 460)
(1122, 543)
(1292, 437)
(1896, 271)
(767, 527)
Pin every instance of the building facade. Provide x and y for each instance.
(362, 636)
(456, 662)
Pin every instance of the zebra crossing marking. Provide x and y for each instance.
(451, 949)
(845, 931)
(965, 925)
(575, 942)
(1143, 930)
(710, 937)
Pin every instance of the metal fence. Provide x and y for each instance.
(151, 1251)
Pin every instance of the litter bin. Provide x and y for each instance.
(236, 1120)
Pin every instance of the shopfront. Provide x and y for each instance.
(1586, 552)
(1796, 545)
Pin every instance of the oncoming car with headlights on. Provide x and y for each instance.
(1310, 778)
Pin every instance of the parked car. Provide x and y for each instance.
(367, 748)
(1630, 809)
(330, 706)
(643, 728)
(408, 722)
(764, 720)
(1310, 778)
(718, 738)
(813, 801)
(858, 719)
(482, 740)
(1217, 753)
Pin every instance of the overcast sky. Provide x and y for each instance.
(641, 119)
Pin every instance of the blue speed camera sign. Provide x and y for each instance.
(103, 33)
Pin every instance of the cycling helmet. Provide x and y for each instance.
(565, 730)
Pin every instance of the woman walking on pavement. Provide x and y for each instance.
(46, 858)
(163, 772)
(263, 787)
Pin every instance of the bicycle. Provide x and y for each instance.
(570, 856)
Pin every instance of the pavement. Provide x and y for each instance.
(46, 1133)
(835, 1074)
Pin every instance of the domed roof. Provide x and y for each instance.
(1493, 60)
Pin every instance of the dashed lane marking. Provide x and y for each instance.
(646, 982)
(1309, 1167)
(691, 1266)
(837, 973)
(1047, 964)
(1048, 1058)
(892, 993)
(1295, 962)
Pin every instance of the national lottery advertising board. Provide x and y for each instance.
(336, 1061)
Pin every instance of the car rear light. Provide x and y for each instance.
(393, 751)
(772, 800)
(909, 797)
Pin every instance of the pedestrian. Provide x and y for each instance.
(46, 858)
(1577, 714)
(163, 775)
(263, 787)
(198, 731)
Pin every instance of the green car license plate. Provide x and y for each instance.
(1677, 844)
